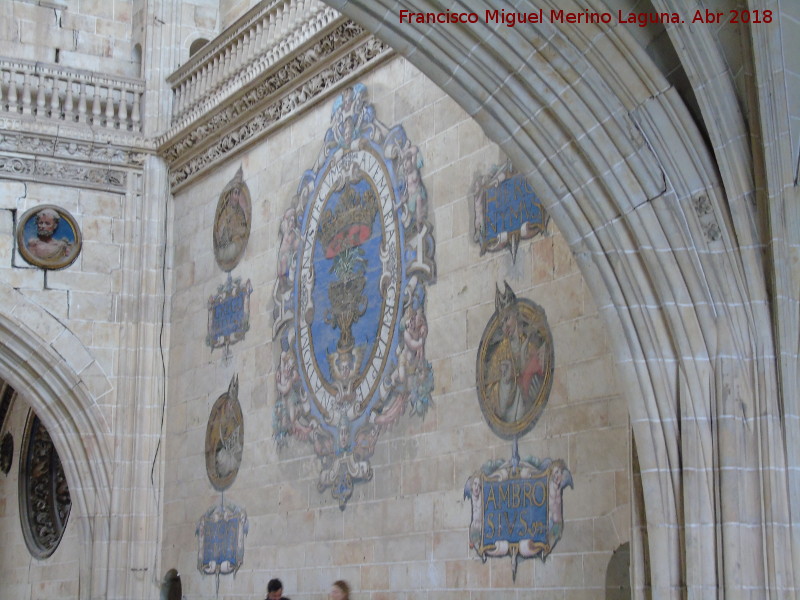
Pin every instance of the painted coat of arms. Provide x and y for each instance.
(516, 504)
(355, 256)
(220, 534)
(506, 210)
(229, 309)
(517, 508)
(229, 313)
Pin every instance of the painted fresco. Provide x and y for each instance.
(220, 533)
(225, 438)
(355, 257)
(517, 508)
(229, 308)
(505, 210)
(515, 365)
(516, 504)
(48, 237)
(232, 220)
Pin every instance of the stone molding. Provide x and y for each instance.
(37, 168)
(333, 58)
(255, 43)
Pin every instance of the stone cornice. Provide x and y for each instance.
(309, 74)
(64, 172)
(79, 155)
(105, 146)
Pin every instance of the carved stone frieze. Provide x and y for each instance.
(294, 86)
(64, 172)
(71, 149)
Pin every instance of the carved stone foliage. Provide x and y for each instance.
(44, 497)
(356, 256)
(87, 151)
(294, 86)
(708, 221)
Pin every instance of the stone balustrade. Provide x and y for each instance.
(253, 44)
(57, 93)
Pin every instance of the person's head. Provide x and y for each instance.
(47, 222)
(274, 589)
(340, 590)
(510, 322)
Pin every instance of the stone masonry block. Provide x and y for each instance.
(72, 351)
(11, 191)
(98, 8)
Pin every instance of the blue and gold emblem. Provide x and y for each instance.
(506, 210)
(355, 257)
(517, 508)
(220, 535)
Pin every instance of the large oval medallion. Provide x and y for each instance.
(355, 257)
(349, 275)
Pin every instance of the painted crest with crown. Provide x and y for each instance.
(355, 258)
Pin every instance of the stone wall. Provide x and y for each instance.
(84, 296)
(406, 530)
(230, 10)
(94, 35)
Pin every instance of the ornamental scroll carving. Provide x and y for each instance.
(62, 172)
(293, 87)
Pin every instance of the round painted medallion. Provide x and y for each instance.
(232, 223)
(515, 365)
(225, 438)
(48, 237)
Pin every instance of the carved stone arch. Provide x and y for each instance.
(636, 191)
(46, 364)
(196, 44)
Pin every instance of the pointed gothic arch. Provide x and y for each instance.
(663, 231)
(49, 367)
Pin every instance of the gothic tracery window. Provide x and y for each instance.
(44, 499)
